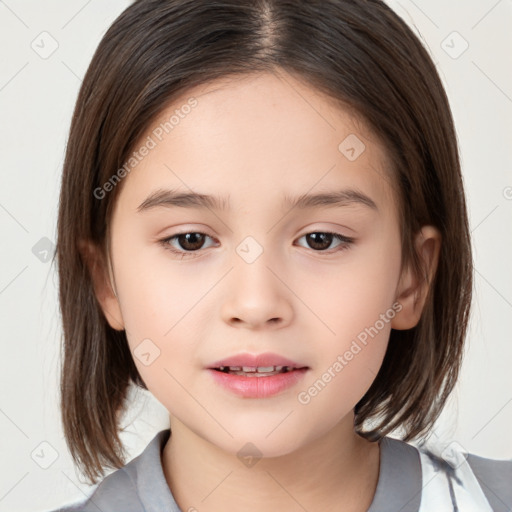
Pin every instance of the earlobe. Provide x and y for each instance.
(412, 290)
(103, 288)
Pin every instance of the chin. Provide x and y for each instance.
(261, 438)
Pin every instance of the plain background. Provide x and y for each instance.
(37, 95)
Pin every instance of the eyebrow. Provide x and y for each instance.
(174, 198)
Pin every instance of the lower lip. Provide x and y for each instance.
(258, 387)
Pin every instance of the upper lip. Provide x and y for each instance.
(266, 359)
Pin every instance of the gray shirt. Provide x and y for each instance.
(140, 486)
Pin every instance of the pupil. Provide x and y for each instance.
(188, 238)
(316, 244)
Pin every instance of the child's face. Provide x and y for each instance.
(256, 282)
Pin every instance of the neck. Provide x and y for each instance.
(338, 471)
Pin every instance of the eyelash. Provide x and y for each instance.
(346, 243)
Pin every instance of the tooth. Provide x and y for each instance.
(235, 368)
(265, 369)
(248, 369)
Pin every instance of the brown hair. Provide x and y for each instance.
(358, 52)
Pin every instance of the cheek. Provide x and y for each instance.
(158, 304)
(350, 352)
(354, 302)
(352, 295)
(158, 295)
(169, 304)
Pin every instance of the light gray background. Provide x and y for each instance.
(36, 100)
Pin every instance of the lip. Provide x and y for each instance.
(257, 360)
(257, 387)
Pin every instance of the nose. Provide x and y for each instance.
(256, 295)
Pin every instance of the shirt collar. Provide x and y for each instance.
(400, 479)
(398, 488)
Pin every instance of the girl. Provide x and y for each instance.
(262, 222)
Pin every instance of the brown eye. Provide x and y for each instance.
(322, 240)
(185, 244)
(190, 241)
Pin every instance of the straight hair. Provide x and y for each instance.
(361, 54)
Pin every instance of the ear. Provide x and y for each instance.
(412, 290)
(98, 270)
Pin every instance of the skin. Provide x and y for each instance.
(256, 139)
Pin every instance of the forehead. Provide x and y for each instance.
(260, 135)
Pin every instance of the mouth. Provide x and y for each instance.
(257, 371)
(257, 376)
(256, 365)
